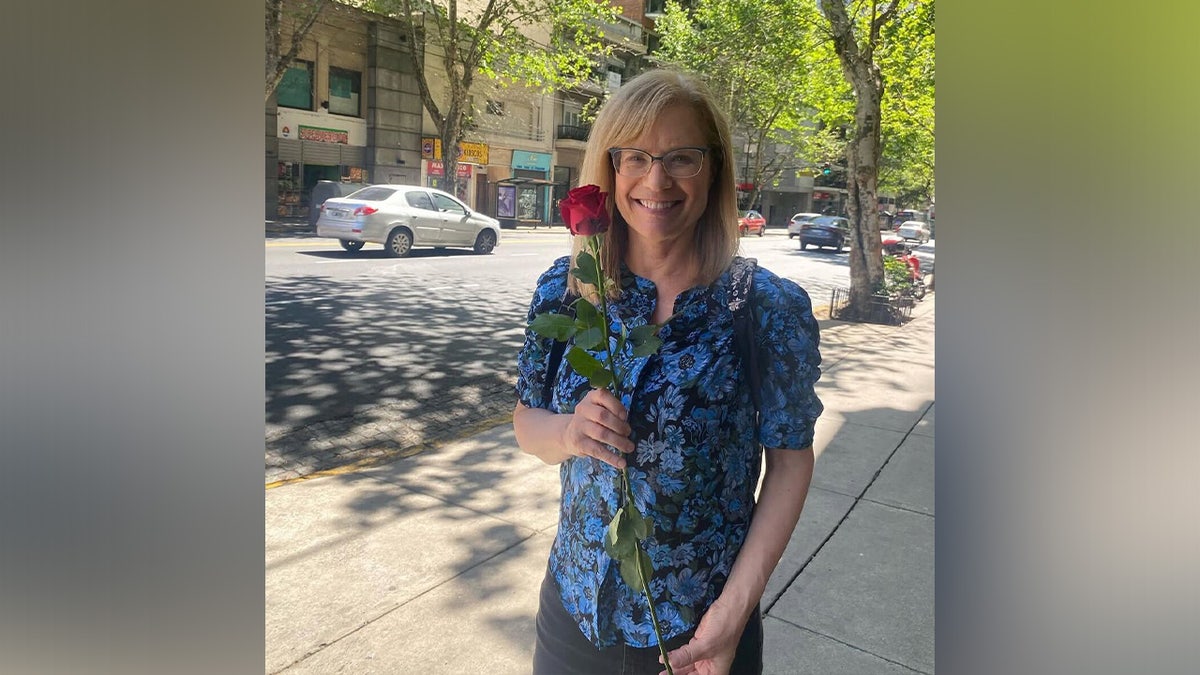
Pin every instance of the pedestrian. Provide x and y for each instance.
(687, 431)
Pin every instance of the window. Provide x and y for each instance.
(444, 203)
(295, 89)
(495, 107)
(570, 117)
(345, 87)
(420, 200)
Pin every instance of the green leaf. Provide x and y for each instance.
(589, 321)
(618, 543)
(637, 568)
(586, 311)
(590, 367)
(550, 325)
(639, 526)
(585, 268)
(645, 339)
(590, 338)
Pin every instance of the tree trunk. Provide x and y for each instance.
(863, 150)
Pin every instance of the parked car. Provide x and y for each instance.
(751, 222)
(324, 189)
(825, 231)
(914, 230)
(924, 253)
(403, 216)
(798, 220)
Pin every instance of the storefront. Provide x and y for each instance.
(315, 147)
(471, 158)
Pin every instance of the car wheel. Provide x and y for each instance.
(351, 246)
(841, 244)
(803, 245)
(399, 243)
(485, 242)
(761, 230)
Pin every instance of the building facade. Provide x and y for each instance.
(346, 110)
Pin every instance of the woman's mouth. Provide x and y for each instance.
(656, 205)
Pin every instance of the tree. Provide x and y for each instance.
(757, 56)
(546, 44)
(862, 42)
(278, 61)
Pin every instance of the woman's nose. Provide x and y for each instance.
(657, 176)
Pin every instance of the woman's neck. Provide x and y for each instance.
(671, 264)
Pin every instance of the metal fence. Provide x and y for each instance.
(881, 309)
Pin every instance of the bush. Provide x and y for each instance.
(896, 276)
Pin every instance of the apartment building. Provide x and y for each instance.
(346, 110)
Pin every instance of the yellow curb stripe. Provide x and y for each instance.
(389, 456)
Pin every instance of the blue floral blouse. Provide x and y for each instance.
(697, 460)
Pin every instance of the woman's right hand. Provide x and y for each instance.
(599, 421)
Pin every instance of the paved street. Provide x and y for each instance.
(369, 358)
(431, 563)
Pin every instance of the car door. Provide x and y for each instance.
(457, 228)
(426, 219)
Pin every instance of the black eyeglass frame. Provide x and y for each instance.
(612, 156)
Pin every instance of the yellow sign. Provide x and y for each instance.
(471, 153)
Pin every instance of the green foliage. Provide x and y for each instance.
(896, 275)
(555, 326)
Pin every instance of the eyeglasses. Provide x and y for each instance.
(678, 163)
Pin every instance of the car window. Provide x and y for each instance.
(419, 200)
(447, 204)
(374, 193)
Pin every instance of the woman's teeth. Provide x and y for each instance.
(656, 206)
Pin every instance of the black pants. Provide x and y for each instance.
(561, 649)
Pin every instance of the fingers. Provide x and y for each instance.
(599, 427)
(683, 660)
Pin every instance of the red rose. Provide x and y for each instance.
(584, 210)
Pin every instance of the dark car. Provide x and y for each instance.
(832, 231)
(327, 189)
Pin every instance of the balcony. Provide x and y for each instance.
(572, 133)
(625, 33)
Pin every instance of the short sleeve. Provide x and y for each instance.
(531, 360)
(788, 341)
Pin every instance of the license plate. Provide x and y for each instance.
(338, 213)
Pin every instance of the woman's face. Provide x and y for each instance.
(657, 206)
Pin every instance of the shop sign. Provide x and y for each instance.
(324, 135)
(531, 161)
(472, 153)
(435, 168)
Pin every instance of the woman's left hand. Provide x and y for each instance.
(712, 648)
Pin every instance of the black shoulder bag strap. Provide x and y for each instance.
(557, 349)
(741, 290)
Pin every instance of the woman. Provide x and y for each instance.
(687, 432)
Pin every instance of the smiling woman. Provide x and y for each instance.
(682, 444)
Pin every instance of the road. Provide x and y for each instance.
(432, 336)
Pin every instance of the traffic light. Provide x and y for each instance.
(826, 170)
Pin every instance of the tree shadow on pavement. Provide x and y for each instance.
(379, 366)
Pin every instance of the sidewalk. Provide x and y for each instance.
(431, 564)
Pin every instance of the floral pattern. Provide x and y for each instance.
(697, 458)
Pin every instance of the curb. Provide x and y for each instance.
(392, 455)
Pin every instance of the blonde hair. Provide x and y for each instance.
(628, 114)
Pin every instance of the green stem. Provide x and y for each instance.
(626, 488)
